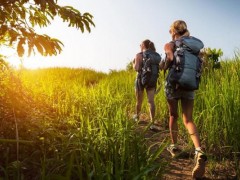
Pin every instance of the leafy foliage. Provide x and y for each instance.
(18, 19)
(129, 66)
(211, 57)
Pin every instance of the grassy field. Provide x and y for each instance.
(62, 123)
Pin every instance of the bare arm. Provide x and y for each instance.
(168, 48)
(137, 62)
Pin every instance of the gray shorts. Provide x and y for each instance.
(178, 93)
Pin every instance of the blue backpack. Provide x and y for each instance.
(185, 71)
(150, 68)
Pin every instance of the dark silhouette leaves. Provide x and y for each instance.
(18, 19)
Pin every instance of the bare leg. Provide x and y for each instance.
(151, 103)
(187, 110)
(173, 113)
(200, 158)
(139, 99)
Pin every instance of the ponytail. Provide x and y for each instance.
(149, 45)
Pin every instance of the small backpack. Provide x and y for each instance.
(185, 71)
(150, 68)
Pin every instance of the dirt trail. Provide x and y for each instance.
(181, 168)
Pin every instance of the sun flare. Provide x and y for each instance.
(31, 62)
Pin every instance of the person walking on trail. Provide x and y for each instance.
(146, 63)
(174, 93)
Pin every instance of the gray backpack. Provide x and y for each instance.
(185, 71)
(150, 69)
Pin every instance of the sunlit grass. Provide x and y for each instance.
(88, 134)
(76, 123)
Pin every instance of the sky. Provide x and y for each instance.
(121, 25)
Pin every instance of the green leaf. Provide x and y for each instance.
(86, 23)
(3, 29)
(14, 26)
(39, 47)
(20, 48)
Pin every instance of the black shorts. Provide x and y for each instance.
(140, 87)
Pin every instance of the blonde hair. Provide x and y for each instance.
(180, 27)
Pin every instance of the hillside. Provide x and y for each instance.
(63, 123)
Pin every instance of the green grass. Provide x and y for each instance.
(75, 123)
(79, 127)
(218, 106)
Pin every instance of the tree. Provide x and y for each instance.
(129, 66)
(19, 17)
(211, 57)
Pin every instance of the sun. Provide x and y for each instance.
(34, 61)
(31, 62)
(38, 61)
(10, 56)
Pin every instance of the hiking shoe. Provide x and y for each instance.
(174, 151)
(135, 117)
(154, 127)
(200, 163)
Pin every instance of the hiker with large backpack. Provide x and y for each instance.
(184, 69)
(146, 63)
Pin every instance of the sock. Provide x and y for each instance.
(197, 150)
(173, 145)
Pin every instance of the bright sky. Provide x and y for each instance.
(121, 25)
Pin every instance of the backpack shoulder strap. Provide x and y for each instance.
(146, 54)
(174, 44)
(178, 43)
